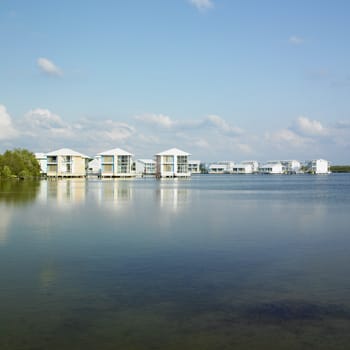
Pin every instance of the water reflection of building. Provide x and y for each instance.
(6, 219)
(172, 197)
(65, 191)
(110, 193)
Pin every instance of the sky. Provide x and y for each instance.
(220, 79)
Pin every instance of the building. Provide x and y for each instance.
(242, 168)
(66, 163)
(145, 167)
(272, 167)
(318, 166)
(172, 163)
(216, 168)
(116, 163)
(222, 167)
(291, 166)
(95, 166)
(254, 164)
(194, 166)
(41, 158)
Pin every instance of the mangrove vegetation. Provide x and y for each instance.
(19, 163)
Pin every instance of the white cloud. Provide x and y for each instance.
(96, 130)
(113, 131)
(202, 5)
(197, 135)
(42, 122)
(306, 126)
(44, 130)
(222, 125)
(48, 67)
(306, 138)
(296, 40)
(213, 122)
(209, 138)
(44, 118)
(159, 120)
(302, 132)
(7, 129)
(286, 138)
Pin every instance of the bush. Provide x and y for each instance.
(19, 163)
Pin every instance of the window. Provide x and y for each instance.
(182, 159)
(123, 164)
(168, 168)
(52, 159)
(168, 159)
(182, 164)
(51, 168)
(107, 159)
(108, 168)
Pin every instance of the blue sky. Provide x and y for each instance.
(221, 79)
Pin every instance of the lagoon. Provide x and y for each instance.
(214, 262)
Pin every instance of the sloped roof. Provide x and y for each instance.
(115, 151)
(66, 152)
(40, 155)
(173, 152)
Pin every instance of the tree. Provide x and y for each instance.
(20, 163)
(6, 172)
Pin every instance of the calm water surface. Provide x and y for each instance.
(215, 262)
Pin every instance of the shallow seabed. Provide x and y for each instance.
(215, 262)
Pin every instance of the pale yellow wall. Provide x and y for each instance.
(77, 167)
(51, 173)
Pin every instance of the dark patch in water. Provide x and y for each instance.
(293, 310)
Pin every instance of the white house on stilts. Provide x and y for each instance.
(172, 163)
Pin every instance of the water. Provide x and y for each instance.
(215, 262)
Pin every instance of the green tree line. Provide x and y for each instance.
(340, 168)
(19, 163)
